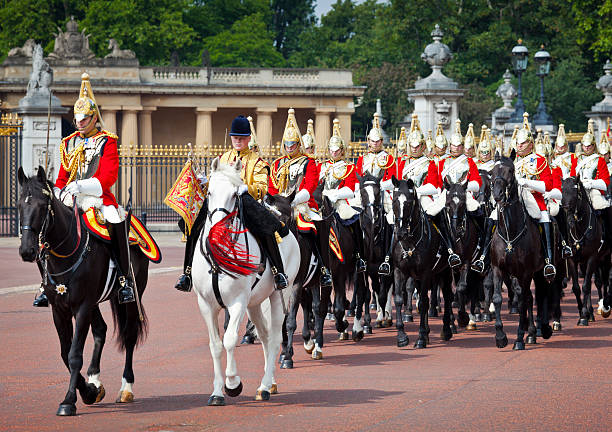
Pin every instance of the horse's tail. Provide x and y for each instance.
(131, 325)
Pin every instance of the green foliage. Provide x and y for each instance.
(289, 19)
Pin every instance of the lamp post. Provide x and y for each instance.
(519, 62)
(542, 59)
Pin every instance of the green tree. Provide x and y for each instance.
(289, 19)
(248, 43)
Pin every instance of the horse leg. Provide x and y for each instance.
(320, 302)
(501, 340)
(367, 318)
(310, 315)
(98, 330)
(462, 317)
(339, 304)
(576, 286)
(487, 285)
(408, 292)
(215, 345)
(587, 306)
(290, 325)
(233, 385)
(75, 363)
(358, 288)
(434, 303)
(399, 288)
(270, 343)
(447, 293)
(423, 286)
(520, 287)
(531, 327)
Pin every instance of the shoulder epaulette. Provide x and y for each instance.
(73, 134)
(107, 133)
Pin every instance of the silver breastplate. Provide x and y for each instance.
(372, 164)
(92, 148)
(564, 162)
(296, 171)
(416, 170)
(332, 173)
(456, 170)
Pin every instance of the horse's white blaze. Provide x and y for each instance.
(126, 386)
(402, 200)
(94, 379)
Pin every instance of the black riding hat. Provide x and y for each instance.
(240, 127)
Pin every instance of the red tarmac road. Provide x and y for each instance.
(466, 383)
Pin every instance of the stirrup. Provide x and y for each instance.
(478, 265)
(361, 265)
(280, 281)
(549, 271)
(385, 268)
(325, 280)
(126, 292)
(41, 300)
(453, 259)
(183, 283)
(566, 251)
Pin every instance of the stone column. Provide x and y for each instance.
(322, 130)
(203, 135)
(264, 131)
(146, 127)
(145, 171)
(128, 145)
(109, 116)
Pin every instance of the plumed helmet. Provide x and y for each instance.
(561, 140)
(440, 140)
(470, 138)
(308, 139)
(485, 145)
(456, 137)
(336, 142)
(540, 144)
(603, 147)
(292, 132)
(589, 137)
(524, 134)
(376, 131)
(253, 142)
(415, 137)
(402, 141)
(86, 104)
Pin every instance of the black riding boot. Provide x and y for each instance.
(276, 262)
(41, 299)
(250, 335)
(355, 228)
(549, 269)
(384, 268)
(325, 279)
(119, 242)
(484, 246)
(184, 280)
(453, 258)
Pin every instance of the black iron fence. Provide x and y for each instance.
(10, 160)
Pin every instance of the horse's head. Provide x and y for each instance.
(369, 189)
(573, 195)
(405, 205)
(503, 182)
(223, 189)
(280, 205)
(34, 208)
(484, 194)
(456, 206)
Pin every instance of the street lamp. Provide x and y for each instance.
(542, 59)
(519, 62)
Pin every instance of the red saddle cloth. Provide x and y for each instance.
(138, 234)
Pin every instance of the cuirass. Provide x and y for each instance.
(563, 161)
(296, 169)
(375, 164)
(456, 170)
(92, 148)
(416, 170)
(486, 166)
(334, 174)
(587, 167)
(527, 167)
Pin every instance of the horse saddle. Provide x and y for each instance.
(139, 235)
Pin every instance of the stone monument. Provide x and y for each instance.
(601, 111)
(42, 114)
(436, 96)
(507, 92)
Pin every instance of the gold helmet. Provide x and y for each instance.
(470, 139)
(540, 145)
(524, 134)
(513, 139)
(561, 140)
(308, 139)
(336, 142)
(86, 104)
(485, 146)
(376, 131)
(603, 148)
(440, 140)
(416, 137)
(292, 132)
(402, 142)
(456, 137)
(589, 137)
(253, 141)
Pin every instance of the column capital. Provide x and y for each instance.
(266, 110)
(133, 108)
(149, 109)
(206, 109)
(325, 110)
(110, 107)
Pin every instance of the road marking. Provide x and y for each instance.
(34, 287)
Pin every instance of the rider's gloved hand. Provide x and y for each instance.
(587, 183)
(331, 194)
(73, 188)
(242, 189)
(553, 194)
(521, 181)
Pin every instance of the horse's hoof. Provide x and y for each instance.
(125, 397)
(388, 322)
(274, 389)
(233, 392)
(556, 326)
(330, 317)
(513, 310)
(501, 343)
(453, 328)
(66, 410)
(350, 313)
(343, 336)
(599, 311)
(446, 335)
(281, 358)
(471, 326)
(317, 355)
(478, 317)
(420, 344)
(463, 319)
(591, 317)
(101, 393)
(433, 313)
(367, 329)
(357, 336)
(402, 341)
(216, 401)
(247, 340)
(538, 332)
(583, 322)
(547, 331)
(262, 395)
(91, 393)
(486, 317)
(531, 340)
(309, 348)
(518, 346)
(287, 364)
(378, 324)
(606, 313)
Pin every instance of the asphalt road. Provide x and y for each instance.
(466, 383)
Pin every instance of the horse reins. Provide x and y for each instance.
(501, 209)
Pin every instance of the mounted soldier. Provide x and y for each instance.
(484, 152)
(89, 168)
(339, 177)
(439, 145)
(296, 171)
(533, 175)
(257, 218)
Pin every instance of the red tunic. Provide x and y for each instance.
(602, 170)
(108, 166)
(351, 175)
(309, 181)
(432, 171)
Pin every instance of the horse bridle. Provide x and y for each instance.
(502, 205)
(409, 232)
(577, 218)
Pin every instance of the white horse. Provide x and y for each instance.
(241, 293)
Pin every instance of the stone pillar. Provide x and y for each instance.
(203, 135)
(145, 171)
(146, 127)
(128, 145)
(601, 112)
(322, 130)
(264, 131)
(109, 116)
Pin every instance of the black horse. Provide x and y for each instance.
(377, 237)
(75, 271)
(516, 251)
(417, 254)
(590, 250)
